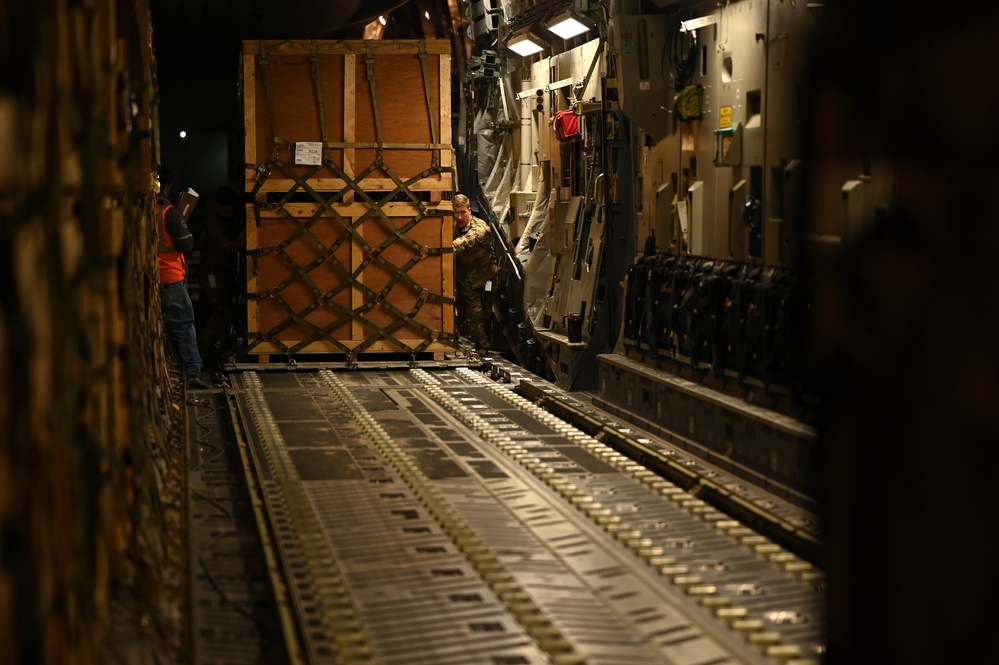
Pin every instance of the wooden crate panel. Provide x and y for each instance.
(347, 276)
(293, 91)
(297, 268)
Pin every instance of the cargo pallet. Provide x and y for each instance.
(350, 172)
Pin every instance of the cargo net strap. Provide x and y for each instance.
(327, 254)
(351, 233)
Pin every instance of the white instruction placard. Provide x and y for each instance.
(681, 210)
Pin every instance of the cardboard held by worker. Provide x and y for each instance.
(187, 202)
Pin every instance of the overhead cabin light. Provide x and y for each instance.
(381, 19)
(526, 43)
(569, 25)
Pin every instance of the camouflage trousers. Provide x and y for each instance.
(472, 307)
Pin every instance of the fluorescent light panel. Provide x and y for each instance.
(568, 25)
(524, 45)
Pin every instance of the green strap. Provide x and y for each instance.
(319, 91)
(264, 63)
(435, 155)
(369, 61)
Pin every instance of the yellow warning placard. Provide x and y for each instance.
(725, 117)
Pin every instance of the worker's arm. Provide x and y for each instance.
(183, 241)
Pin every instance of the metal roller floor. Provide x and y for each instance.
(438, 516)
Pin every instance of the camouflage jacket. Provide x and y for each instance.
(473, 249)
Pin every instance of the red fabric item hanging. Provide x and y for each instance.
(567, 126)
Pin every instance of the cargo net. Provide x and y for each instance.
(348, 278)
(404, 329)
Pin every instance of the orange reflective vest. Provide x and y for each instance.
(173, 266)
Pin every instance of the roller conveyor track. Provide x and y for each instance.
(439, 517)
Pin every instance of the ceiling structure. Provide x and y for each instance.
(197, 45)
(186, 29)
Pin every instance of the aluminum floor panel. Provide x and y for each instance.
(465, 527)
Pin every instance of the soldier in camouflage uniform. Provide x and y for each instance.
(475, 267)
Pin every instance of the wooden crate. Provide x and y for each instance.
(352, 255)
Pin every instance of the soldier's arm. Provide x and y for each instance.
(479, 235)
(470, 238)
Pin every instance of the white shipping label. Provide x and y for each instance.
(309, 153)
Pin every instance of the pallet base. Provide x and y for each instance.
(343, 360)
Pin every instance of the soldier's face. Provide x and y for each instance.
(462, 216)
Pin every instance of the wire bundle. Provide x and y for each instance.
(681, 50)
